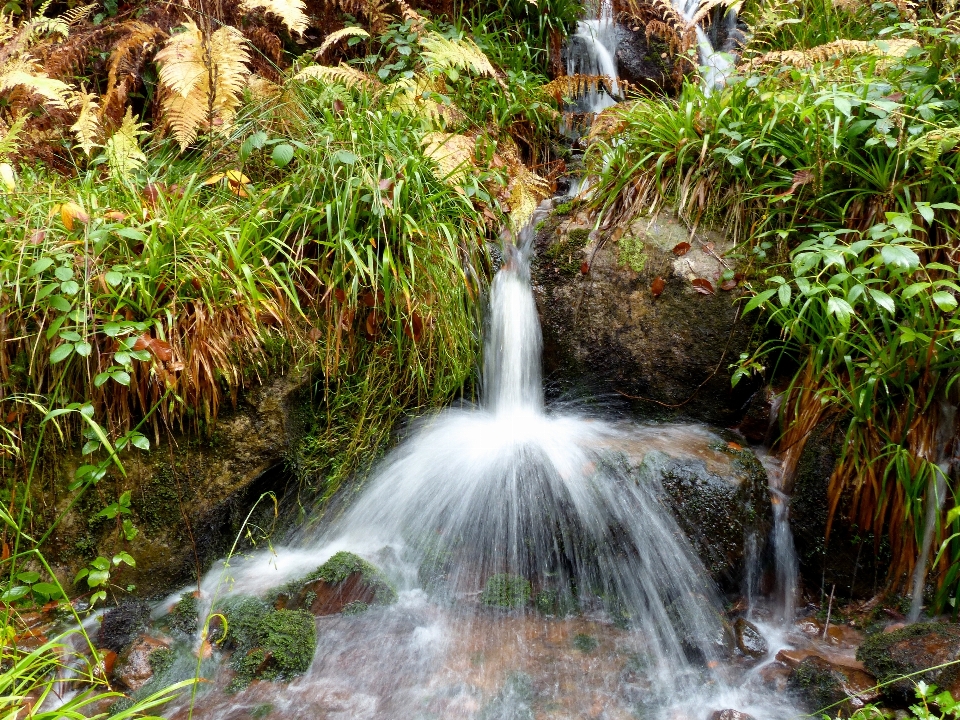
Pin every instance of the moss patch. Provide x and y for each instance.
(340, 567)
(185, 615)
(566, 254)
(631, 254)
(506, 591)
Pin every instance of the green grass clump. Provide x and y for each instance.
(506, 591)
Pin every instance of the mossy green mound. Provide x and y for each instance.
(506, 591)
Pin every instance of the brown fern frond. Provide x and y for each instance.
(266, 42)
(335, 37)
(838, 48)
(567, 87)
(22, 72)
(126, 64)
(203, 78)
(454, 154)
(706, 7)
(68, 58)
(645, 10)
(291, 12)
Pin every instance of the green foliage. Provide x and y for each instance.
(506, 591)
(566, 253)
(289, 637)
(244, 615)
(930, 705)
(267, 644)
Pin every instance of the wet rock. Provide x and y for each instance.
(716, 489)
(134, 667)
(184, 617)
(641, 61)
(913, 649)
(124, 623)
(267, 644)
(605, 333)
(750, 641)
(730, 715)
(850, 560)
(190, 502)
(823, 686)
(346, 582)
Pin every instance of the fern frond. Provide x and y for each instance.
(22, 72)
(124, 156)
(838, 48)
(525, 190)
(79, 13)
(10, 139)
(706, 7)
(410, 95)
(455, 155)
(567, 87)
(441, 54)
(341, 75)
(202, 79)
(126, 64)
(291, 12)
(335, 37)
(262, 89)
(87, 127)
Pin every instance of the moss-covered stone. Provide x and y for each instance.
(185, 616)
(161, 660)
(120, 626)
(267, 644)
(566, 254)
(913, 649)
(819, 685)
(506, 591)
(342, 581)
(631, 253)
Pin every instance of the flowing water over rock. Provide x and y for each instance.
(536, 575)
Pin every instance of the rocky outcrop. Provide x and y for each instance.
(716, 489)
(750, 641)
(825, 687)
(135, 666)
(189, 497)
(638, 313)
(914, 649)
(850, 561)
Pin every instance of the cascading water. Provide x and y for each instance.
(506, 490)
(592, 51)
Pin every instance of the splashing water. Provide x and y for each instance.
(592, 50)
(627, 620)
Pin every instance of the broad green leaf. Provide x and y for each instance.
(282, 154)
(64, 273)
(899, 256)
(70, 287)
(841, 308)
(70, 336)
(39, 266)
(784, 292)
(758, 300)
(14, 593)
(124, 557)
(914, 289)
(131, 233)
(139, 441)
(59, 302)
(926, 212)
(49, 590)
(83, 349)
(122, 377)
(29, 577)
(113, 277)
(346, 158)
(98, 577)
(883, 300)
(61, 352)
(944, 300)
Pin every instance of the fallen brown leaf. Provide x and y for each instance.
(657, 286)
(703, 286)
(681, 249)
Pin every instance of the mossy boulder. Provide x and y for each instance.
(267, 644)
(836, 690)
(605, 331)
(716, 489)
(140, 661)
(120, 626)
(506, 591)
(913, 649)
(344, 583)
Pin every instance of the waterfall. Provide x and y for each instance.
(592, 51)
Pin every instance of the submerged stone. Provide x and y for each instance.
(750, 641)
(730, 714)
(136, 666)
(344, 581)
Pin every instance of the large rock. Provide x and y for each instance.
(135, 666)
(345, 583)
(641, 61)
(825, 687)
(850, 561)
(914, 649)
(716, 489)
(189, 496)
(605, 331)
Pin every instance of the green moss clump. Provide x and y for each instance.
(585, 643)
(563, 208)
(185, 615)
(268, 644)
(631, 254)
(565, 254)
(290, 638)
(890, 655)
(355, 608)
(506, 591)
(161, 660)
(340, 567)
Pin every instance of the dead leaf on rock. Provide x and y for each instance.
(729, 285)
(584, 267)
(703, 286)
(681, 249)
(657, 286)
